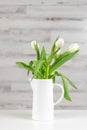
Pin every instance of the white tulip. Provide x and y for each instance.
(73, 47)
(59, 43)
(33, 43)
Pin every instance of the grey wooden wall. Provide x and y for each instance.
(22, 21)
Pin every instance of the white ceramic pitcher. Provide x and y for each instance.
(43, 105)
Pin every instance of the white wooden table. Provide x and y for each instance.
(64, 120)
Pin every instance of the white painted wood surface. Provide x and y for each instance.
(21, 120)
(22, 21)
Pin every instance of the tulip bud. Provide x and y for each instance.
(33, 43)
(59, 43)
(73, 47)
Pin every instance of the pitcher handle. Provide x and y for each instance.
(62, 94)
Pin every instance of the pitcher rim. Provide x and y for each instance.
(40, 80)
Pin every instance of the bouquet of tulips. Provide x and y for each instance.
(46, 67)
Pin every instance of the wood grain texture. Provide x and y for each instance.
(23, 100)
(40, 2)
(22, 21)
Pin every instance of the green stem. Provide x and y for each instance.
(47, 72)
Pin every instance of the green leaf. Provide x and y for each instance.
(24, 66)
(37, 52)
(47, 72)
(71, 83)
(66, 91)
(62, 60)
(38, 66)
(41, 76)
(56, 73)
(54, 79)
(30, 64)
(43, 54)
